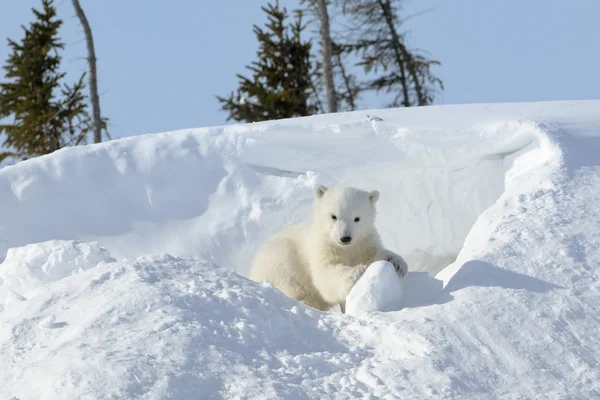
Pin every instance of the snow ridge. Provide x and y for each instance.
(123, 263)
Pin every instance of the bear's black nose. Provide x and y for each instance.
(346, 239)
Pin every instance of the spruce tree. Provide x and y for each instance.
(384, 52)
(42, 122)
(282, 84)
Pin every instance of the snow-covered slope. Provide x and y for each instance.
(498, 203)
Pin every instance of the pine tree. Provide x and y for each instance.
(42, 123)
(384, 52)
(282, 84)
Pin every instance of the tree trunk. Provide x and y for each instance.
(93, 79)
(327, 56)
(397, 45)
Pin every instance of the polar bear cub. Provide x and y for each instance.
(320, 261)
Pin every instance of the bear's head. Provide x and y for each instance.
(345, 214)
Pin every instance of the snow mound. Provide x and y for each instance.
(217, 193)
(378, 289)
(494, 207)
(37, 264)
(165, 327)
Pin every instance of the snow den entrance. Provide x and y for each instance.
(427, 213)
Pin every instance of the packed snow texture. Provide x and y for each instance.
(35, 265)
(495, 208)
(378, 289)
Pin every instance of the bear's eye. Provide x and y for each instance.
(356, 219)
(333, 217)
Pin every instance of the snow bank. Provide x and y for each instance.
(497, 203)
(165, 327)
(216, 193)
(153, 327)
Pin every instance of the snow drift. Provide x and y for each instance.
(215, 193)
(494, 207)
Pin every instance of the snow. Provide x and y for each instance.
(378, 289)
(37, 264)
(123, 263)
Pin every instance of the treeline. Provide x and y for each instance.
(291, 77)
(358, 50)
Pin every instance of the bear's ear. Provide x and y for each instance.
(373, 196)
(320, 191)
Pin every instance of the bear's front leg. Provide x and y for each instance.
(334, 282)
(397, 261)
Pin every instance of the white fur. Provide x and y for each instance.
(310, 263)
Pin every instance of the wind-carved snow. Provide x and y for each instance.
(32, 266)
(493, 206)
(213, 194)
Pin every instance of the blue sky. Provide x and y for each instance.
(162, 63)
